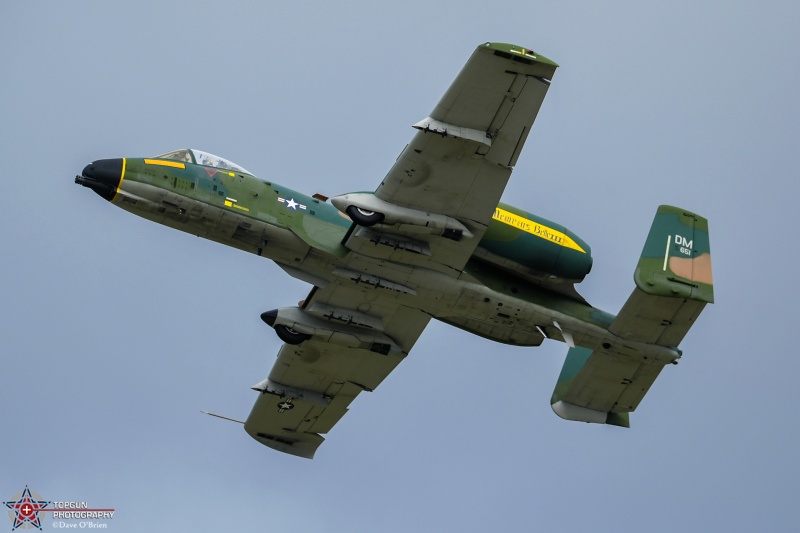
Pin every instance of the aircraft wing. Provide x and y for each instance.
(451, 175)
(460, 160)
(458, 163)
(312, 384)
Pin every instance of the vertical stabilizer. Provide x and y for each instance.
(676, 260)
(673, 280)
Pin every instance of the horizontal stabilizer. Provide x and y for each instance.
(601, 386)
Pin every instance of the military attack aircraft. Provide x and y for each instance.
(432, 241)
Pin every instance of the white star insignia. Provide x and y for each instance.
(291, 204)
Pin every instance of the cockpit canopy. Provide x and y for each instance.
(198, 157)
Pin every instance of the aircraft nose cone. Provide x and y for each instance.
(107, 171)
(102, 176)
(269, 317)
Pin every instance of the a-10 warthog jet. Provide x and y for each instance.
(432, 241)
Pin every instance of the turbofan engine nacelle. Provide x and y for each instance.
(366, 209)
(528, 244)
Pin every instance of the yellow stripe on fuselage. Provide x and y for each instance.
(534, 228)
(174, 164)
(121, 177)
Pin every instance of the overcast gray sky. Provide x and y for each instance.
(116, 331)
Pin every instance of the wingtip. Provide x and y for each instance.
(520, 51)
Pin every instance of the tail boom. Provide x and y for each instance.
(673, 285)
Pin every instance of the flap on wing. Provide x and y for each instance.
(602, 386)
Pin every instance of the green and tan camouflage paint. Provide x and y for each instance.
(676, 259)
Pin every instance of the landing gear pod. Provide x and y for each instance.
(366, 209)
(290, 336)
(363, 217)
(294, 326)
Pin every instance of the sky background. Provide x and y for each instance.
(116, 331)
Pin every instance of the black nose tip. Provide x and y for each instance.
(102, 176)
(269, 317)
